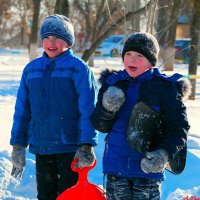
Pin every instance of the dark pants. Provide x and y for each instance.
(54, 175)
(120, 188)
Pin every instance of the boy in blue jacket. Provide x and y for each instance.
(56, 96)
(133, 174)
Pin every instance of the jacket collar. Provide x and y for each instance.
(174, 78)
(154, 72)
(60, 58)
(123, 75)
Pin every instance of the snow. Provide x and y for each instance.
(175, 187)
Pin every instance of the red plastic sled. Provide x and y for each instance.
(83, 190)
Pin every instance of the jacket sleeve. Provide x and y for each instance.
(86, 88)
(22, 114)
(176, 124)
(101, 119)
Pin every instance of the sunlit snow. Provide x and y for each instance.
(175, 187)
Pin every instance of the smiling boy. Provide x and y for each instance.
(55, 99)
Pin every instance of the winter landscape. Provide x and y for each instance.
(175, 187)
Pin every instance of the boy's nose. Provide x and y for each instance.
(134, 57)
(52, 40)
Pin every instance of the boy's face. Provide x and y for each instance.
(135, 63)
(54, 46)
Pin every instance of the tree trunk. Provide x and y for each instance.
(66, 8)
(128, 24)
(22, 36)
(150, 21)
(58, 7)
(91, 61)
(133, 25)
(195, 28)
(169, 58)
(136, 19)
(161, 22)
(167, 17)
(34, 30)
(169, 64)
(62, 7)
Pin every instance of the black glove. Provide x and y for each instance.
(85, 155)
(155, 161)
(18, 160)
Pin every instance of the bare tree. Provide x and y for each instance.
(167, 18)
(134, 23)
(152, 12)
(62, 7)
(34, 30)
(103, 18)
(162, 21)
(4, 14)
(47, 8)
(195, 31)
(24, 8)
(4, 7)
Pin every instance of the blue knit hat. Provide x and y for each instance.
(143, 43)
(59, 26)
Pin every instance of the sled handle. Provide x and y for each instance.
(76, 169)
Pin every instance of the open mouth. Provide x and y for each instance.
(132, 68)
(52, 49)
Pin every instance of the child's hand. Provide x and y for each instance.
(18, 160)
(85, 155)
(113, 99)
(155, 161)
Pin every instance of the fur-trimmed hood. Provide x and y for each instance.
(105, 73)
(184, 85)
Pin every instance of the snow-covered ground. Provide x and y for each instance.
(175, 187)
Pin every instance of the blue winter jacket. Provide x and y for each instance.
(54, 101)
(161, 94)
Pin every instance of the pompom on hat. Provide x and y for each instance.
(59, 26)
(143, 43)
